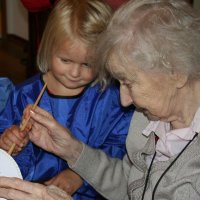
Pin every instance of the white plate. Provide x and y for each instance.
(8, 166)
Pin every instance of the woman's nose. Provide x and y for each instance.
(125, 96)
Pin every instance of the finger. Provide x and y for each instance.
(16, 131)
(13, 194)
(6, 141)
(13, 134)
(43, 112)
(23, 134)
(14, 139)
(26, 112)
(14, 128)
(25, 142)
(4, 138)
(28, 127)
(45, 120)
(16, 150)
(36, 131)
(4, 146)
(21, 185)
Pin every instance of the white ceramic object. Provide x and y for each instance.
(8, 166)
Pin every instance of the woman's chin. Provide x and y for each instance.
(151, 117)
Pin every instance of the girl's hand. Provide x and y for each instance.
(13, 135)
(67, 180)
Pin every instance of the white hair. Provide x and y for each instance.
(160, 35)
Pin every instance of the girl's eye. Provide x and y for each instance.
(64, 60)
(86, 65)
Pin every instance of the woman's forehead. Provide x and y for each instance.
(121, 69)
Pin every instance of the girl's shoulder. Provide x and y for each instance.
(34, 82)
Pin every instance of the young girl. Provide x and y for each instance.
(94, 117)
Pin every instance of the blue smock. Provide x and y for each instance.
(94, 117)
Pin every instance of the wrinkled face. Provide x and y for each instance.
(70, 66)
(153, 93)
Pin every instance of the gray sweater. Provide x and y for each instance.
(122, 180)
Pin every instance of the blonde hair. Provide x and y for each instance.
(159, 35)
(72, 19)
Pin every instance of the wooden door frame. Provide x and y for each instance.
(3, 18)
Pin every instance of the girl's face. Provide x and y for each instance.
(70, 69)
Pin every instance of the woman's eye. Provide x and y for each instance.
(128, 85)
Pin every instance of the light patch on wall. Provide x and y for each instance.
(17, 19)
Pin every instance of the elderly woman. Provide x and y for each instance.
(152, 48)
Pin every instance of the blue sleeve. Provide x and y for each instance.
(18, 99)
(10, 114)
(6, 87)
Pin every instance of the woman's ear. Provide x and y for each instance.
(179, 78)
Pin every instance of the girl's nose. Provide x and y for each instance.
(75, 71)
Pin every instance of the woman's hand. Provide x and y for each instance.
(13, 135)
(17, 189)
(67, 180)
(47, 133)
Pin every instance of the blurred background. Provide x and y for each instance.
(20, 33)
